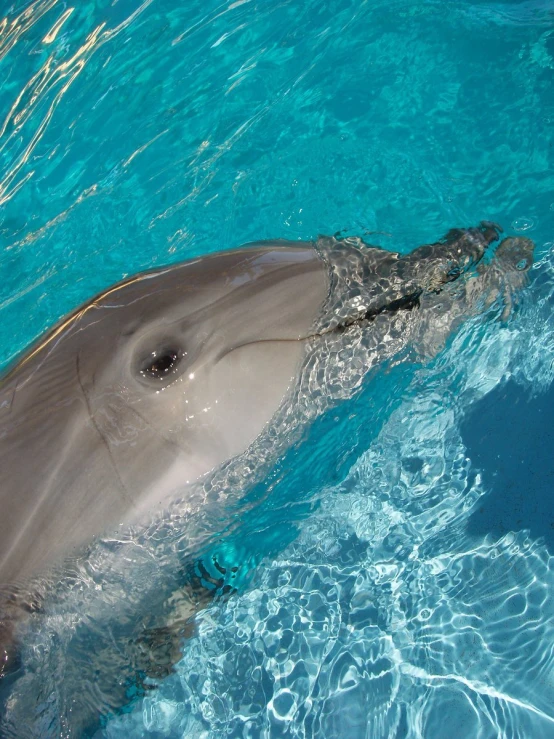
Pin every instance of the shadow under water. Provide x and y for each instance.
(506, 434)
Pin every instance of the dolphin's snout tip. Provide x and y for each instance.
(516, 252)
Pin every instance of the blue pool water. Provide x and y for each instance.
(393, 576)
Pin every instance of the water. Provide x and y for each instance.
(395, 574)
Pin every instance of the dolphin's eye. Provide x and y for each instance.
(521, 265)
(159, 364)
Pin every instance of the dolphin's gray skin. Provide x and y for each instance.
(172, 373)
(145, 388)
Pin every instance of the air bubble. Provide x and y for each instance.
(523, 224)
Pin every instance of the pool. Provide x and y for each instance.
(392, 575)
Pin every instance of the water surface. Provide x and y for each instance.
(398, 579)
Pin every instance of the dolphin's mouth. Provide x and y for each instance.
(450, 260)
(404, 303)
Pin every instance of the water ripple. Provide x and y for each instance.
(385, 614)
(36, 103)
(133, 134)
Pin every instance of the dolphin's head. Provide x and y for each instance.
(148, 387)
(197, 370)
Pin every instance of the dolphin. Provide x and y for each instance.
(165, 377)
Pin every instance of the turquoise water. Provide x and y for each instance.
(395, 574)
